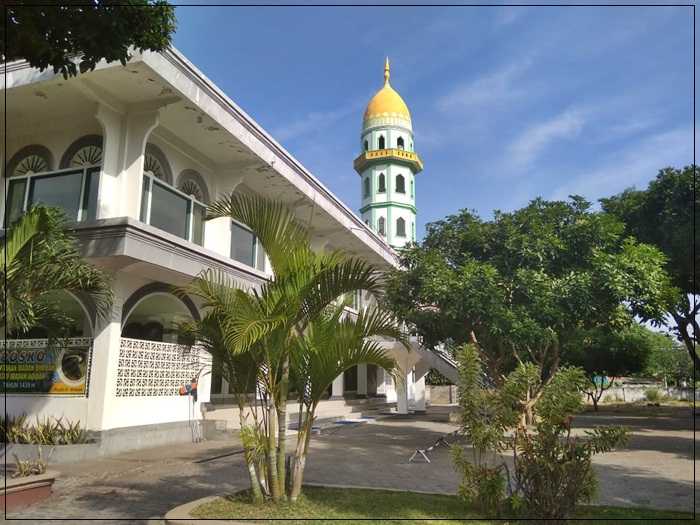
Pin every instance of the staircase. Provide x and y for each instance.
(439, 359)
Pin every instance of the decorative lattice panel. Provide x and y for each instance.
(151, 368)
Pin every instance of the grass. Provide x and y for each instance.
(328, 504)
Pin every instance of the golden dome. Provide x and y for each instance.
(386, 102)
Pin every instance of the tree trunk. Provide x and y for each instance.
(274, 486)
(682, 325)
(300, 456)
(282, 428)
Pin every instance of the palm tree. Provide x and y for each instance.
(271, 320)
(332, 344)
(40, 258)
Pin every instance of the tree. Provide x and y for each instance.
(40, 258)
(606, 355)
(669, 362)
(664, 215)
(521, 284)
(288, 331)
(551, 472)
(75, 36)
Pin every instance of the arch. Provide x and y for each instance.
(381, 226)
(157, 164)
(400, 227)
(77, 306)
(400, 184)
(382, 184)
(366, 145)
(399, 143)
(156, 288)
(192, 183)
(34, 158)
(382, 142)
(366, 187)
(83, 153)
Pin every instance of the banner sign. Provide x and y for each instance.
(30, 366)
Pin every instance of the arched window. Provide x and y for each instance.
(382, 184)
(156, 164)
(381, 226)
(28, 161)
(366, 187)
(192, 183)
(399, 143)
(400, 227)
(411, 188)
(413, 231)
(381, 142)
(400, 184)
(366, 145)
(83, 153)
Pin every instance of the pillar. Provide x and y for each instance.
(419, 374)
(362, 380)
(338, 387)
(104, 363)
(138, 128)
(402, 383)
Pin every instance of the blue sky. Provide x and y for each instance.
(508, 103)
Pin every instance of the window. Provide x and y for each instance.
(399, 143)
(30, 160)
(400, 184)
(411, 189)
(156, 164)
(400, 227)
(366, 187)
(172, 210)
(381, 142)
(413, 231)
(245, 247)
(75, 191)
(381, 226)
(366, 145)
(193, 184)
(382, 183)
(84, 152)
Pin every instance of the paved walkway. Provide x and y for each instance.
(655, 471)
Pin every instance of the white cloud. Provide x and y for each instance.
(633, 166)
(492, 88)
(535, 139)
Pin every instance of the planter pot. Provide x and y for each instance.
(22, 492)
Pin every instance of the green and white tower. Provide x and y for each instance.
(388, 166)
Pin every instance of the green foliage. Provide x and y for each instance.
(28, 467)
(290, 335)
(71, 38)
(653, 395)
(435, 378)
(39, 258)
(521, 283)
(552, 471)
(605, 353)
(664, 215)
(669, 362)
(48, 431)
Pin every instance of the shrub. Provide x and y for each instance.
(552, 471)
(49, 431)
(653, 395)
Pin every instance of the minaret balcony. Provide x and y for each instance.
(398, 155)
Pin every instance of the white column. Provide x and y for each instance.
(112, 124)
(362, 379)
(402, 381)
(338, 387)
(138, 129)
(420, 372)
(104, 364)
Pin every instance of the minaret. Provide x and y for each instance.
(388, 166)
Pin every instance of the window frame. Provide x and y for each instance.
(367, 187)
(256, 247)
(403, 184)
(381, 226)
(85, 173)
(381, 183)
(399, 233)
(145, 215)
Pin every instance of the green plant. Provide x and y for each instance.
(653, 395)
(30, 467)
(48, 431)
(552, 471)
